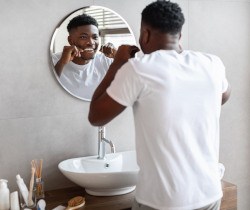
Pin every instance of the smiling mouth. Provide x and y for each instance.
(90, 50)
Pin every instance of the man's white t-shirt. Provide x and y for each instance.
(176, 100)
(82, 80)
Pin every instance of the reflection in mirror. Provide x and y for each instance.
(83, 46)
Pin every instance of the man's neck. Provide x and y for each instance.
(169, 42)
(81, 61)
(173, 46)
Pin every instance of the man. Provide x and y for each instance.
(176, 98)
(79, 68)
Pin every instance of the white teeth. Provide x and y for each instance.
(88, 49)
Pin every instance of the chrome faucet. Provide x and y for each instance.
(101, 143)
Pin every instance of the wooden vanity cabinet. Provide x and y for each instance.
(58, 197)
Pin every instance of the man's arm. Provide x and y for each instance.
(68, 54)
(102, 107)
(226, 95)
(59, 67)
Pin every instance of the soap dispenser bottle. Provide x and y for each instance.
(4, 195)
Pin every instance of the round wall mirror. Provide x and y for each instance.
(76, 48)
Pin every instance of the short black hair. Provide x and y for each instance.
(164, 15)
(81, 20)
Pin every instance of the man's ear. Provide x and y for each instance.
(145, 36)
(70, 40)
(180, 34)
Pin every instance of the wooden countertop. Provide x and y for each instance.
(58, 197)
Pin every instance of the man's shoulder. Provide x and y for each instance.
(212, 59)
(203, 54)
(102, 58)
(58, 54)
(56, 57)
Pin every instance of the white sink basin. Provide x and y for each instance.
(115, 175)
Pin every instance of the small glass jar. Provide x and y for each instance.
(39, 188)
(29, 204)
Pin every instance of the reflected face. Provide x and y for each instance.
(85, 38)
